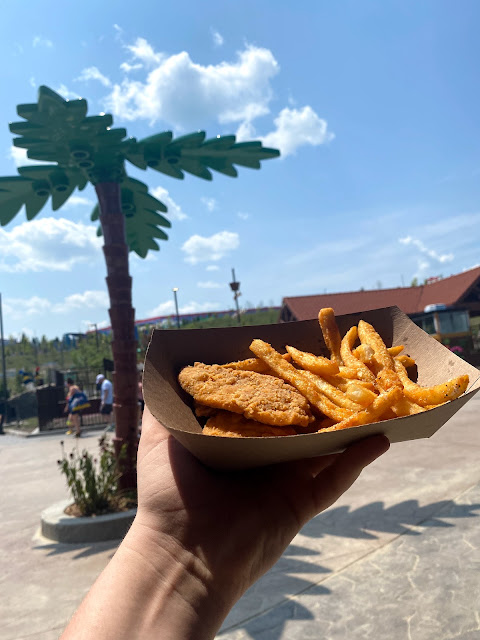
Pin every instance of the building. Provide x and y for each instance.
(460, 291)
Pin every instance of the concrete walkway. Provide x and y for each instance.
(398, 557)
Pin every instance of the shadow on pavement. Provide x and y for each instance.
(270, 615)
(397, 519)
(80, 550)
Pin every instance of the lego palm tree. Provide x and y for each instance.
(81, 149)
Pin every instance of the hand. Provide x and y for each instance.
(202, 537)
(236, 524)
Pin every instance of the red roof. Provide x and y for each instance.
(411, 300)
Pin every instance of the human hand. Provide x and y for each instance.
(235, 525)
(202, 537)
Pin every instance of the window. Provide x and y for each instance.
(428, 324)
(453, 322)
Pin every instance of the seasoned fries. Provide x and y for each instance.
(357, 385)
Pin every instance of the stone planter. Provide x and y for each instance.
(57, 525)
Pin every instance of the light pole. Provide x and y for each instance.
(4, 372)
(235, 287)
(175, 289)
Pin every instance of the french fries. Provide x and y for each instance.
(315, 364)
(357, 385)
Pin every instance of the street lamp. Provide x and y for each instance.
(235, 287)
(175, 289)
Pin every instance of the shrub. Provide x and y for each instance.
(93, 483)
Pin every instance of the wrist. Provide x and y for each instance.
(179, 592)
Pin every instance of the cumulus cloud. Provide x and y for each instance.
(174, 210)
(210, 203)
(431, 253)
(215, 247)
(21, 307)
(48, 244)
(243, 216)
(209, 284)
(186, 94)
(296, 128)
(213, 267)
(93, 73)
(143, 51)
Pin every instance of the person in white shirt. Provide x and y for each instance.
(106, 398)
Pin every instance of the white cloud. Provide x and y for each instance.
(144, 52)
(89, 325)
(32, 82)
(162, 309)
(168, 308)
(93, 73)
(186, 94)
(218, 39)
(194, 307)
(174, 210)
(65, 92)
(118, 31)
(201, 249)
(295, 128)
(85, 300)
(48, 244)
(19, 157)
(39, 41)
(127, 67)
(209, 284)
(78, 201)
(213, 267)
(431, 253)
(243, 216)
(210, 203)
(21, 307)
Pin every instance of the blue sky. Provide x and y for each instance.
(374, 106)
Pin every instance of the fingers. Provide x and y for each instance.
(339, 476)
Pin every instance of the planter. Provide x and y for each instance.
(57, 525)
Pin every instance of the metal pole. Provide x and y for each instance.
(4, 370)
(96, 334)
(235, 287)
(175, 289)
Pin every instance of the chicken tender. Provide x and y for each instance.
(256, 396)
(234, 425)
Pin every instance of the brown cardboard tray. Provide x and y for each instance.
(169, 351)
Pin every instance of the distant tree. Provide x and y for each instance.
(414, 282)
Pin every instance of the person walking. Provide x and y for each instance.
(106, 400)
(76, 401)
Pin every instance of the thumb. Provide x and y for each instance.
(331, 483)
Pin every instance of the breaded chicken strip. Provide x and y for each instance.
(257, 396)
(234, 425)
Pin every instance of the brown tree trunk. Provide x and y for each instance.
(122, 317)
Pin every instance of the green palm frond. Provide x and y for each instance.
(33, 188)
(59, 130)
(142, 220)
(194, 154)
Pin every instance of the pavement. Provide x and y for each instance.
(397, 557)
